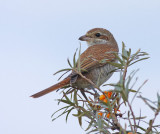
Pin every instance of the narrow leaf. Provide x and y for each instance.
(67, 69)
(138, 61)
(69, 113)
(79, 118)
(116, 65)
(69, 63)
(75, 97)
(59, 110)
(89, 126)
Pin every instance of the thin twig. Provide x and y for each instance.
(130, 123)
(89, 92)
(139, 120)
(115, 121)
(138, 90)
(124, 77)
(152, 121)
(130, 107)
(146, 102)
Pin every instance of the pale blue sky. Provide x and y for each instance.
(36, 38)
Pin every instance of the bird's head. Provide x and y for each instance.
(98, 36)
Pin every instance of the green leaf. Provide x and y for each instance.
(83, 70)
(138, 60)
(67, 69)
(69, 113)
(129, 52)
(59, 110)
(138, 90)
(158, 96)
(76, 115)
(146, 102)
(134, 55)
(79, 118)
(132, 74)
(121, 79)
(123, 47)
(63, 74)
(89, 126)
(65, 111)
(79, 60)
(69, 63)
(124, 58)
(75, 97)
(74, 59)
(125, 54)
(124, 96)
(67, 102)
(105, 131)
(94, 130)
(116, 64)
(66, 97)
(143, 129)
(127, 87)
(131, 90)
(119, 59)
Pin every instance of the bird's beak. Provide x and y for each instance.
(84, 38)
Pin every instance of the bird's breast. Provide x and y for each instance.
(98, 76)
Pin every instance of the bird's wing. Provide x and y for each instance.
(94, 56)
(97, 55)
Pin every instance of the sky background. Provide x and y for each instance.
(37, 37)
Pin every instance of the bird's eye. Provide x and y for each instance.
(97, 34)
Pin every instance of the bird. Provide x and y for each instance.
(94, 62)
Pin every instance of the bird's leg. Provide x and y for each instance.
(83, 93)
(96, 93)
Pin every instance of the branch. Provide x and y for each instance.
(152, 121)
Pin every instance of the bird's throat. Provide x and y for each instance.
(95, 42)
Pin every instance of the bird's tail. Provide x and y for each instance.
(52, 88)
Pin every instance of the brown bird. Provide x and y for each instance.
(94, 60)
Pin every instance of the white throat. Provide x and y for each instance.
(100, 41)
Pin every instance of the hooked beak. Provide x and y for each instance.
(84, 38)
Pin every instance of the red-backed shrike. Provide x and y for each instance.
(101, 46)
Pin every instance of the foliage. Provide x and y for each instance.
(101, 112)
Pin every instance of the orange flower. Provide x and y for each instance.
(102, 97)
(105, 100)
(107, 109)
(100, 114)
(108, 115)
(115, 110)
(109, 94)
(131, 133)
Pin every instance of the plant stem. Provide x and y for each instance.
(152, 121)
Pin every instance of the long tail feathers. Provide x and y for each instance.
(52, 88)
